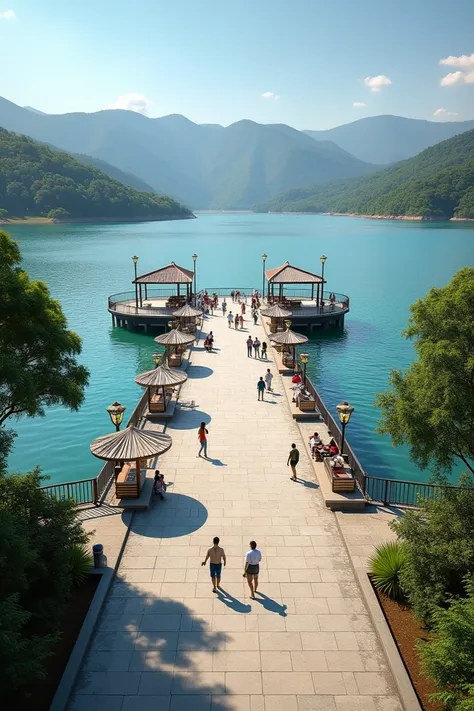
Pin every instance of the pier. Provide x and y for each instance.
(164, 641)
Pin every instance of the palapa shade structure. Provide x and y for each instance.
(290, 339)
(161, 377)
(172, 274)
(288, 274)
(187, 314)
(131, 444)
(176, 340)
(276, 313)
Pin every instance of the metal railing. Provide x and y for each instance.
(83, 492)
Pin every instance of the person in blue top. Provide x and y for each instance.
(260, 388)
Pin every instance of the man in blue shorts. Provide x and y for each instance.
(216, 556)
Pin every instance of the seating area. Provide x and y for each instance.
(340, 477)
(126, 481)
(176, 301)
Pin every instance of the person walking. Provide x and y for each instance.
(260, 389)
(268, 380)
(249, 347)
(216, 556)
(264, 350)
(230, 319)
(293, 459)
(252, 568)
(241, 319)
(256, 347)
(236, 321)
(202, 437)
(255, 317)
(224, 307)
(232, 295)
(242, 308)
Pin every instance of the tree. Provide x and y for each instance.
(37, 536)
(58, 212)
(3, 213)
(449, 657)
(438, 541)
(430, 406)
(38, 365)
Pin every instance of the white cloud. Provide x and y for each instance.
(7, 15)
(270, 95)
(377, 83)
(466, 64)
(358, 104)
(131, 102)
(443, 113)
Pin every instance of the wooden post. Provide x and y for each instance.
(137, 472)
(95, 491)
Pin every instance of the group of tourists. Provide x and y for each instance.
(319, 450)
(264, 383)
(254, 344)
(209, 342)
(237, 320)
(217, 558)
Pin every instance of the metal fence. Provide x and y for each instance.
(83, 492)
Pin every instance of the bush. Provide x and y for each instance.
(385, 568)
(449, 658)
(37, 534)
(81, 562)
(439, 543)
(58, 212)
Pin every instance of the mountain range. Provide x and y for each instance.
(437, 183)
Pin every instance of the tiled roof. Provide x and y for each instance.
(287, 274)
(171, 274)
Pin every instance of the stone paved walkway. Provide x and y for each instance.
(165, 642)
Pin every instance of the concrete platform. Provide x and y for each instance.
(142, 503)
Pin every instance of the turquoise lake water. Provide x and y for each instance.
(383, 266)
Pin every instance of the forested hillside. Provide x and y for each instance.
(35, 180)
(437, 183)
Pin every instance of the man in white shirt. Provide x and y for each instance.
(252, 568)
(268, 380)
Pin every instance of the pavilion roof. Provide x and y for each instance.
(287, 274)
(171, 274)
(130, 443)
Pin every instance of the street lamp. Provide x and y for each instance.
(264, 259)
(116, 411)
(135, 260)
(195, 279)
(156, 358)
(288, 323)
(344, 410)
(304, 358)
(323, 262)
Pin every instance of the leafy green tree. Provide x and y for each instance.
(449, 657)
(3, 213)
(37, 538)
(430, 406)
(58, 212)
(38, 354)
(439, 548)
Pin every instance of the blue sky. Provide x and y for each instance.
(300, 62)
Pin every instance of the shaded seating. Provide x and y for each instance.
(340, 477)
(277, 316)
(175, 343)
(160, 382)
(288, 340)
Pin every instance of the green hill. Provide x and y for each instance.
(34, 180)
(437, 183)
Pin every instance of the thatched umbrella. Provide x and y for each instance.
(161, 377)
(131, 445)
(174, 339)
(289, 338)
(187, 314)
(276, 314)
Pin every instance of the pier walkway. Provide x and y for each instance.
(165, 642)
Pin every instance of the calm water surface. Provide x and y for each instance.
(382, 266)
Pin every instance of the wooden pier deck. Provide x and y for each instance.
(165, 641)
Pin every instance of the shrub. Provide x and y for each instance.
(385, 567)
(449, 657)
(439, 542)
(58, 212)
(37, 534)
(81, 562)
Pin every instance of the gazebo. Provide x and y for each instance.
(131, 445)
(161, 378)
(288, 340)
(277, 315)
(288, 274)
(187, 316)
(172, 275)
(175, 339)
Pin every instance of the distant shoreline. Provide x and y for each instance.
(90, 220)
(403, 218)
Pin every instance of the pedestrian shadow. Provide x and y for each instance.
(270, 605)
(215, 462)
(308, 484)
(230, 601)
(187, 419)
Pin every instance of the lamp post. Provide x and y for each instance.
(116, 411)
(156, 358)
(323, 262)
(135, 260)
(288, 323)
(304, 358)
(195, 279)
(264, 259)
(344, 410)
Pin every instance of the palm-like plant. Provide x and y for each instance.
(385, 567)
(81, 562)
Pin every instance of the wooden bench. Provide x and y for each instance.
(157, 403)
(174, 360)
(126, 482)
(307, 405)
(341, 478)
